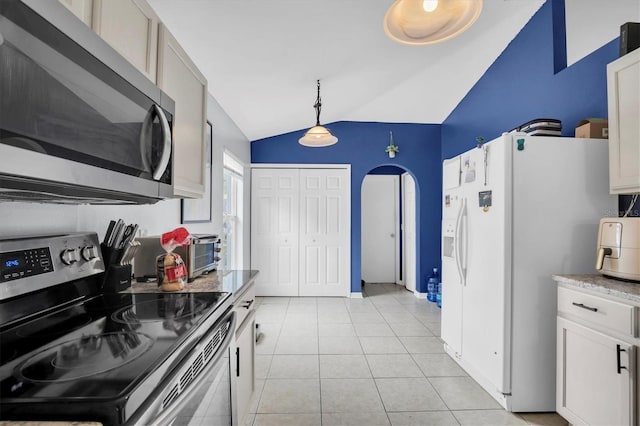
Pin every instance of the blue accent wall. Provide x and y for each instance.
(387, 170)
(362, 145)
(522, 85)
(528, 80)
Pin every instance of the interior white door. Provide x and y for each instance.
(380, 214)
(409, 232)
(324, 232)
(274, 230)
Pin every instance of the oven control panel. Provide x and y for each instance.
(33, 263)
(25, 263)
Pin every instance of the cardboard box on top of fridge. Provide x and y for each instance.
(594, 128)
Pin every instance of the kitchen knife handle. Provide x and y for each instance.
(107, 235)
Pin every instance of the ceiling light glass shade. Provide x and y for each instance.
(408, 22)
(318, 136)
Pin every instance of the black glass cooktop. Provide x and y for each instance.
(101, 348)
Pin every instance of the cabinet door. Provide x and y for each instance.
(245, 367)
(595, 377)
(184, 83)
(131, 28)
(274, 230)
(324, 232)
(83, 9)
(623, 93)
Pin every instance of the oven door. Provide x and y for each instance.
(200, 388)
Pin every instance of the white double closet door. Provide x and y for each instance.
(300, 231)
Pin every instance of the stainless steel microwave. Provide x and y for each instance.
(78, 123)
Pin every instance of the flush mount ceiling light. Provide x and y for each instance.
(420, 22)
(318, 136)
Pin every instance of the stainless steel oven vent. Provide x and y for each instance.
(195, 365)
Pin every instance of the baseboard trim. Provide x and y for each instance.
(419, 295)
(356, 295)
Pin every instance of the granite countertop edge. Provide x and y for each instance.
(629, 291)
(235, 282)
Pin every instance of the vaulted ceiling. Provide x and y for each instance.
(262, 58)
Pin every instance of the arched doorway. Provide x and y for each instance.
(388, 227)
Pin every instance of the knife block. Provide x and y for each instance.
(116, 278)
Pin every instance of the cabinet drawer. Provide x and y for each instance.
(245, 304)
(606, 313)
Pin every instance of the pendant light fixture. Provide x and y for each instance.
(318, 136)
(419, 22)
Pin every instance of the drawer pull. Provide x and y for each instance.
(618, 351)
(583, 306)
(247, 304)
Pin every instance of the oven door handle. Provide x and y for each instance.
(153, 414)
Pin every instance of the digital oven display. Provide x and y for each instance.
(24, 263)
(13, 263)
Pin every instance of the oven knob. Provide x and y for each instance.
(69, 256)
(89, 253)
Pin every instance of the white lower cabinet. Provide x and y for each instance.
(596, 376)
(594, 384)
(243, 369)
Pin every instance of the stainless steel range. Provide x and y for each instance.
(71, 352)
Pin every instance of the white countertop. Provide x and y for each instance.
(601, 284)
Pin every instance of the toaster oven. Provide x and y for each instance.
(200, 257)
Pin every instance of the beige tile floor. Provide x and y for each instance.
(372, 361)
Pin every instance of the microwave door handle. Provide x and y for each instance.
(145, 136)
(166, 144)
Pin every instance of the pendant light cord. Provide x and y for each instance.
(318, 106)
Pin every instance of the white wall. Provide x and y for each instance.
(27, 218)
(594, 23)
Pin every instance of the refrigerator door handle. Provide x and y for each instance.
(458, 244)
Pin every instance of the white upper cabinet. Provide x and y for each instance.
(131, 28)
(185, 84)
(623, 92)
(83, 9)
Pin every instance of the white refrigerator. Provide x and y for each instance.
(516, 211)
